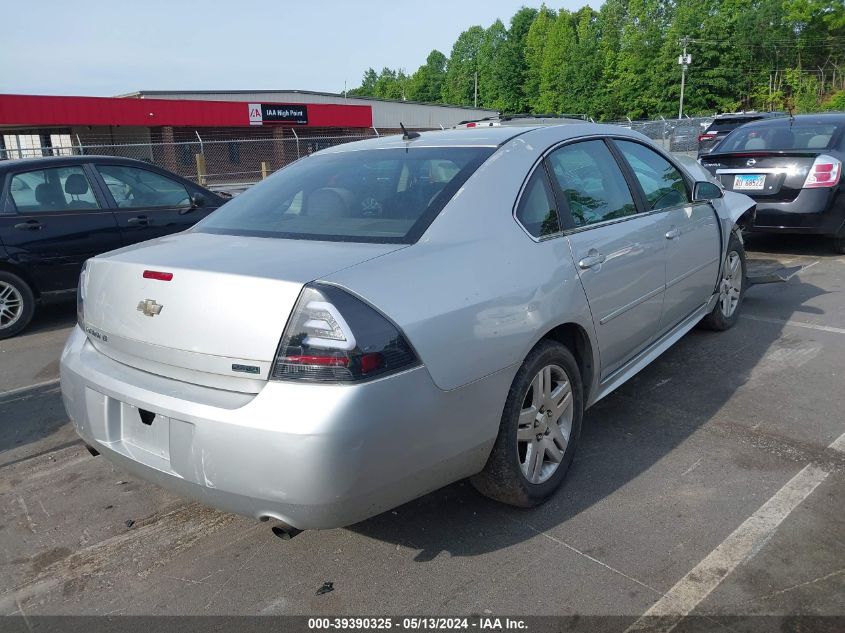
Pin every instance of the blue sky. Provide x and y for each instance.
(96, 47)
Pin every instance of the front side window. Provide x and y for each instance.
(382, 195)
(50, 190)
(138, 188)
(592, 183)
(537, 211)
(662, 184)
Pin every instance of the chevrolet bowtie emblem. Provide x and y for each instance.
(149, 307)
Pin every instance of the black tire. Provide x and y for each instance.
(502, 478)
(839, 244)
(717, 319)
(13, 286)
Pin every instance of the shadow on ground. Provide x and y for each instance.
(623, 436)
(53, 316)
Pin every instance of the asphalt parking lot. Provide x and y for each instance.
(713, 483)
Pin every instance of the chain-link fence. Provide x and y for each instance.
(230, 163)
(235, 162)
(679, 136)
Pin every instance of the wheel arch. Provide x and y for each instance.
(5, 266)
(577, 340)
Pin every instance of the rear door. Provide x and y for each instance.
(148, 204)
(691, 231)
(618, 250)
(54, 222)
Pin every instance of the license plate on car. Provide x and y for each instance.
(749, 181)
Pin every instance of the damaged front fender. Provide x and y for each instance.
(735, 210)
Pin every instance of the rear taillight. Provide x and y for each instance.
(706, 137)
(825, 172)
(80, 296)
(334, 337)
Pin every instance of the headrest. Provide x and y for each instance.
(76, 184)
(46, 194)
(819, 141)
(329, 202)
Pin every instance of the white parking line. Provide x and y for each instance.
(742, 544)
(809, 326)
(12, 392)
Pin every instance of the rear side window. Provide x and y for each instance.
(51, 190)
(592, 183)
(785, 136)
(662, 184)
(382, 195)
(536, 210)
(134, 188)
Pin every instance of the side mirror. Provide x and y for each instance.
(704, 190)
(197, 200)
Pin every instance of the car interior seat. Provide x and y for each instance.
(77, 185)
(328, 202)
(819, 141)
(49, 197)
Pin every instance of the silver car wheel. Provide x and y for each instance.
(11, 305)
(545, 424)
(731, 286)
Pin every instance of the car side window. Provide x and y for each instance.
(138, 188)
(537, 211)
(50, 190)
(662, 184)
(592, 183)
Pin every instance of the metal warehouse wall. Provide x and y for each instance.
(386, 114)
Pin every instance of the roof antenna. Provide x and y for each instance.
(406, 135)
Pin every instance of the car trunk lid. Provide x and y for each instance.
(207, 309)
(763, 175)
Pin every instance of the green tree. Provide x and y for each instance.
(368, 84)
(489, 59)
(510, 73)
(640, 45)
(461, 69)
(426, 84)
(535, 45)
(622, 60)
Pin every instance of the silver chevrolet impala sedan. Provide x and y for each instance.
(385, 317)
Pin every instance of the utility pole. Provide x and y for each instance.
(475, 90)
(684, 60)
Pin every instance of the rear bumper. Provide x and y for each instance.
(312, 456)
(814, 211)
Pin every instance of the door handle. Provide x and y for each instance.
(671, 235)
(591, 260)
(141, 220)
(30, 225)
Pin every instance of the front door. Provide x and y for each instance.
(54, 223)
(691, 231)
(618, 251)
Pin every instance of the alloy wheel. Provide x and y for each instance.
(731, 286)
(545, 424)
(11, 305)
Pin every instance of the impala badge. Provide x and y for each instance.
(751, 162)
(149, 307)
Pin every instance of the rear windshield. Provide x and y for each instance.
(796, 136)
(380, 195)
